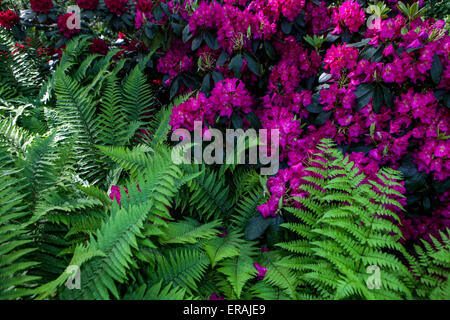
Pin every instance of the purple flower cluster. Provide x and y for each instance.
(176, 60)
(228, 96)
(349, 15)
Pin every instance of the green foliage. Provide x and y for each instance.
(178, 231)
(342, 228)
(430, 264)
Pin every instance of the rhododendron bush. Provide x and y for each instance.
(372, 76)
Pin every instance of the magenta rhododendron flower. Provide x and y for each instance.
(349, 15)
(176, 60)
(341, 58)
(115, 194)
(215, 297)
(261, 271)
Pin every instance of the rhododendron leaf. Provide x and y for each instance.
(20, 35)
(324, 77)
(322, 118)
(127, 19)
(217, 76)
(388, 98)
(211, 40)
(206, 84)
(256, 227)
(158, 13)
(372, 54)
(190, 81)
(436, 69)
(236, 65)
(286, 26)
(413, 49)
(174, 88)
(414, 180)
(361, 43)
(378, 99)
(346, 36)
(441, 186)
(165, 8)
(186, 35)
(255, 45)
(252, 64)
(88, 14)
(42, 17)
(300, 20)
(426, 203)
(197, 42)
(177, 28)
(254, 120)
(314, 108)
(236, 121)
(331, 37)
(148, 30)
(224, 56)
(363, 89)
(447, 100)
(364, 93)
(270, 51)
(274, 231)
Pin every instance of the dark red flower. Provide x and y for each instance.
(8, 19)
(99, 46)
(42, 6)
(87, 4)
(144, 5)
(116, 6)
(65, 26)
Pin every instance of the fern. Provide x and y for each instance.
(342, 229)
(15, 281)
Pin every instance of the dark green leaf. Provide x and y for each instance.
(174, 88)
(378, 99)
(253, 65)
(197, 42)
(322, 118)
(224, 56)
(256, 227)
(236, 121)
(211, 40)
(388, 98)
(236, 65)
(314, 108)
(361, 43)
(270, 51)
(187, 35)
(286, 26)
(217, 76)
(206, 84)
(149, 30)
(254, 121)
(436, 69)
